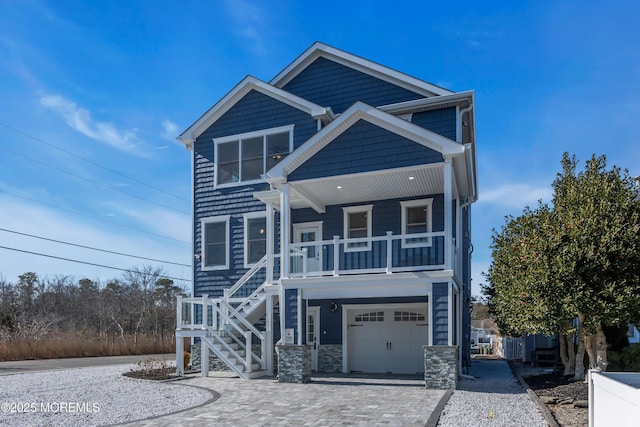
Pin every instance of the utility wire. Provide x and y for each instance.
(84, 262)
(91, 180)
(92, 248)
(91, 162)
(93, 217)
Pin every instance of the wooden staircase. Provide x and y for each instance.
(226, 327)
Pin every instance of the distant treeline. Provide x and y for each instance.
(62, 317)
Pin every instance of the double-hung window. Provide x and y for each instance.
(416, 219)
(357, 224)
(215, 243)
(245, 157)
(255, 237)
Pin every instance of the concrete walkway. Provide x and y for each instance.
(326, 401)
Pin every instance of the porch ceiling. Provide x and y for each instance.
(379, 185)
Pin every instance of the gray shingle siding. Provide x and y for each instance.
(440, 313)
(441, 121)
(330, 84)
(364, 147)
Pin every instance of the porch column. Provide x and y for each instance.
(269, 334)
(448, 218)
(285, 225)
(270, 243)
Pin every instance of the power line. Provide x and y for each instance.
(93, 217)
(94, 249)
(91, 180)
(91, 161)
(84, 262)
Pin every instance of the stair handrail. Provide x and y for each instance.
(238, 317)
(245, 277)
(248, 299)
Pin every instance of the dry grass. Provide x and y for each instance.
(77, 344)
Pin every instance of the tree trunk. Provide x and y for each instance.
(567, 353)
(578, 375)
(600, 346)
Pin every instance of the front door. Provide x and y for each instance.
(310, 232)
(313, 335)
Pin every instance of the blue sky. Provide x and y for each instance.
(114, 82)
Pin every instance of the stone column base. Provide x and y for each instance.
(294, 363)
(441, 367)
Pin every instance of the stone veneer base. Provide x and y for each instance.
(330, 358)
(215, 364)
(294, 363)
(441, 367)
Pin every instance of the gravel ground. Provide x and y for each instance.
(494, 398)
(89, 397)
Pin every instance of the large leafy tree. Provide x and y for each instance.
(573, 267)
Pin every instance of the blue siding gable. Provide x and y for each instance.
(330, 84)
(364, 147)
(442, 121)
(257, 111)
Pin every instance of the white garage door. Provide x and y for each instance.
(387, 340)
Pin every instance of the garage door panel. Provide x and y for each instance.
(385, 340)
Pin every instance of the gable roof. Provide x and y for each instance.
(362, 111)
(364, 65)
(247, 84)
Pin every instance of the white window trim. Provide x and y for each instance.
(203, 223)
(412, 204)
(247, 217)
(353, 209)
(247, 135)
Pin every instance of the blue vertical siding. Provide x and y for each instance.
(290, 308)
(330, 84)
(442, 121)
(365, 147)
(386, 216)
(440, 313)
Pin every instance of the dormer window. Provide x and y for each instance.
(244, 158)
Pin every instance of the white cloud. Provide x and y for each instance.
(251, 21)
(170, 130)
(516, 195)
(80, 120)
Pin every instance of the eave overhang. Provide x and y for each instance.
(358, 63)
(188, 137)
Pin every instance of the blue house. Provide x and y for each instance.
(331, 219)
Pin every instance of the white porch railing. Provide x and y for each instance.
(224, 331)
(380, 254)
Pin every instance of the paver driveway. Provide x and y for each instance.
(326, 401)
